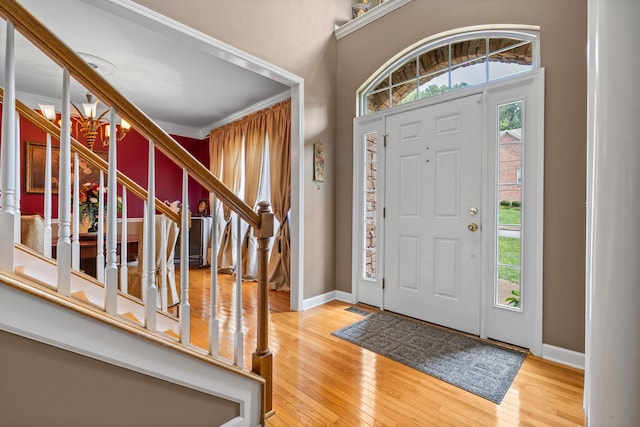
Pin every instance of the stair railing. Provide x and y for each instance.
(33, 30)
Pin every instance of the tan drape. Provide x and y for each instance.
(255, 130)
(216, 138)
(231, 153)
(279, 131)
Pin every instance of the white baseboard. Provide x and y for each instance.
(563, 356)
(318, 300)
(325, 298)
(345, 297)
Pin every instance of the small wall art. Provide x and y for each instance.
(318, 162)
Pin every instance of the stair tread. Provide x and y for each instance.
(81, 296)
(171, 333)
(91, 292)
(129, 315)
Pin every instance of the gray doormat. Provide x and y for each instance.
(472, 364)
(357, 310)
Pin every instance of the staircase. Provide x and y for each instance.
(52, 302)
(32, 266)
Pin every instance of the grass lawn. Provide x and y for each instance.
(509, 254)
(509, 215)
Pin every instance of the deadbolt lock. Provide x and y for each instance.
(473, 210)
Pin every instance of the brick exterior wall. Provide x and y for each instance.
(510, 152)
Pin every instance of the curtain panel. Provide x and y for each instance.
(231, 154)
(279, 131)
(215, 166)
(225, 150)
(255, 131)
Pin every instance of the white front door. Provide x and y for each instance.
(433, 213)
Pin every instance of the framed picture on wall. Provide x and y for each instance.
(35, 167)
(318, 162)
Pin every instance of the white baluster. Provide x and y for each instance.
(239, 335)
(8, 157)
(163, 262)
(47, 197)
(17, 214)
(142, 263)
(185, 307)
(214, 328)
(111, 271)
(75, 211)
(124, 270)
(63, 246)
(100, 234)
(149, 286)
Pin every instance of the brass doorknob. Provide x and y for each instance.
(473, 226)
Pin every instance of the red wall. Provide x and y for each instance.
(133, 154)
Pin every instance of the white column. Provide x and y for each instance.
(111, 270)
(185, 307)
(612, 377)
(17, 214)
(239, 335)
(100, 233)
(63, 246)
(163, 262)
(47, 198)
(8, 157)
(124, 270)
(214, 328)
(75, 223)
(149, 285)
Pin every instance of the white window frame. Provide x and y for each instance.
(526, 34)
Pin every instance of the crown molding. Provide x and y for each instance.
(367, 18)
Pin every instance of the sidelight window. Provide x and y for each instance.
(370, 203)
(508, 290)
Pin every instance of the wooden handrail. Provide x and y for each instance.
(34, 31)
(91, 157)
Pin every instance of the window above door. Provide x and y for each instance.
(448, 64)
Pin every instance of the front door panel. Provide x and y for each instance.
(433, 183)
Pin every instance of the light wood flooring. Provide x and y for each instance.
(321, 380)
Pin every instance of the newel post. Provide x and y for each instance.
(262, 360)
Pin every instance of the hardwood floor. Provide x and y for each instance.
(321, 380)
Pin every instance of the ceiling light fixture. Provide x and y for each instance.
(87, 122)
(93, 126)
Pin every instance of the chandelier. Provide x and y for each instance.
(93, 126)
(88, 123)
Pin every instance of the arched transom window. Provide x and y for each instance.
(448, 64)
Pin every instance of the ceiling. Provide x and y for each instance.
(184, 80)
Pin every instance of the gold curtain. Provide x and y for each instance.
(215, 150)
(231, 153)
(224, 151)
(216, 138)
(279, 131)
(255, 130)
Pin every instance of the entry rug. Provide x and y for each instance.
(357, 310)
(479, 367)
